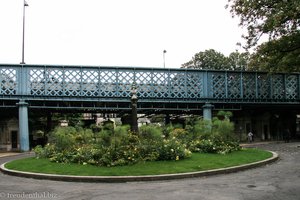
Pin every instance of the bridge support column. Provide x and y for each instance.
(207, 111)
(23, 125)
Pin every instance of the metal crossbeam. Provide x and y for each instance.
(153, 84)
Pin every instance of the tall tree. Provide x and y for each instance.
(208, 59)
(280, 20)
(281, 55)
(211, 59)
(238, 61)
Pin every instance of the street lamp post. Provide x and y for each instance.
(134, 100)
(25, 4)
(164, 52)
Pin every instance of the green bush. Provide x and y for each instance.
(223, 130)
(63, 137)
(172, 149)
(108, 146)
(202, 129)
(214, 146)
(150, 132)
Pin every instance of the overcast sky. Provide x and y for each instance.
(115, 32)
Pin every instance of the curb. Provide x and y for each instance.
(2, 155)
(121, 179)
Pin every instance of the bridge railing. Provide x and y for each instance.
(152, 83)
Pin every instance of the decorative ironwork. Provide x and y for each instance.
(54, 79)
(249, 86)
(8, 78)
(90, 83)
(178, 85)
(144, 84)
(151, 84)
(263, 86)
(160, 84)
(234, 85)
(108, 86)
(219, 85)
(291, 87)
(125, 81)
(194, 85)
(278, 86)
(36, 81)
(72, 82)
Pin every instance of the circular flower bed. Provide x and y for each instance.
(119, 146)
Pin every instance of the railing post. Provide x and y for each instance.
(226, 85)
(298, 86)
(256, 86)
(23, 80)
(241, 85)
(206, 85)
(81, 82)
(23, 125)
(271, 87)
(169, 85)
(284, 86)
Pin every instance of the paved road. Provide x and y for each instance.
(278, 181)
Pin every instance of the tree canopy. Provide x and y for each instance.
(280, 20)
(212, 59)
(281, 55)
(273, 17)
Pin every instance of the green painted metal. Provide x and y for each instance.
(207, 111)
(100, 83)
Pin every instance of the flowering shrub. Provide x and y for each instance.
(172, 149)
(211, 146)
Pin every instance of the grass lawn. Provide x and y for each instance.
(198, 162)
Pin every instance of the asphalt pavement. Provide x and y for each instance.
(277, 181)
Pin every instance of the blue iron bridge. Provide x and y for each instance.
(109, 89)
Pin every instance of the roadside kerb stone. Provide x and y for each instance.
(2, 154)
(119, 179)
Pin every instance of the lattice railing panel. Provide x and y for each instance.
(125, 83)
(37, 81)
(54, 82)
(291, 87)
(72, 82)
(218, 85)
(8, 78)
(160, 84)
(263, 86)
(234, 85)
(249, 86)
(90, 83)
(178, 85)
(144, 84)
(108, 83)
(194, 84)
(278, 87)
